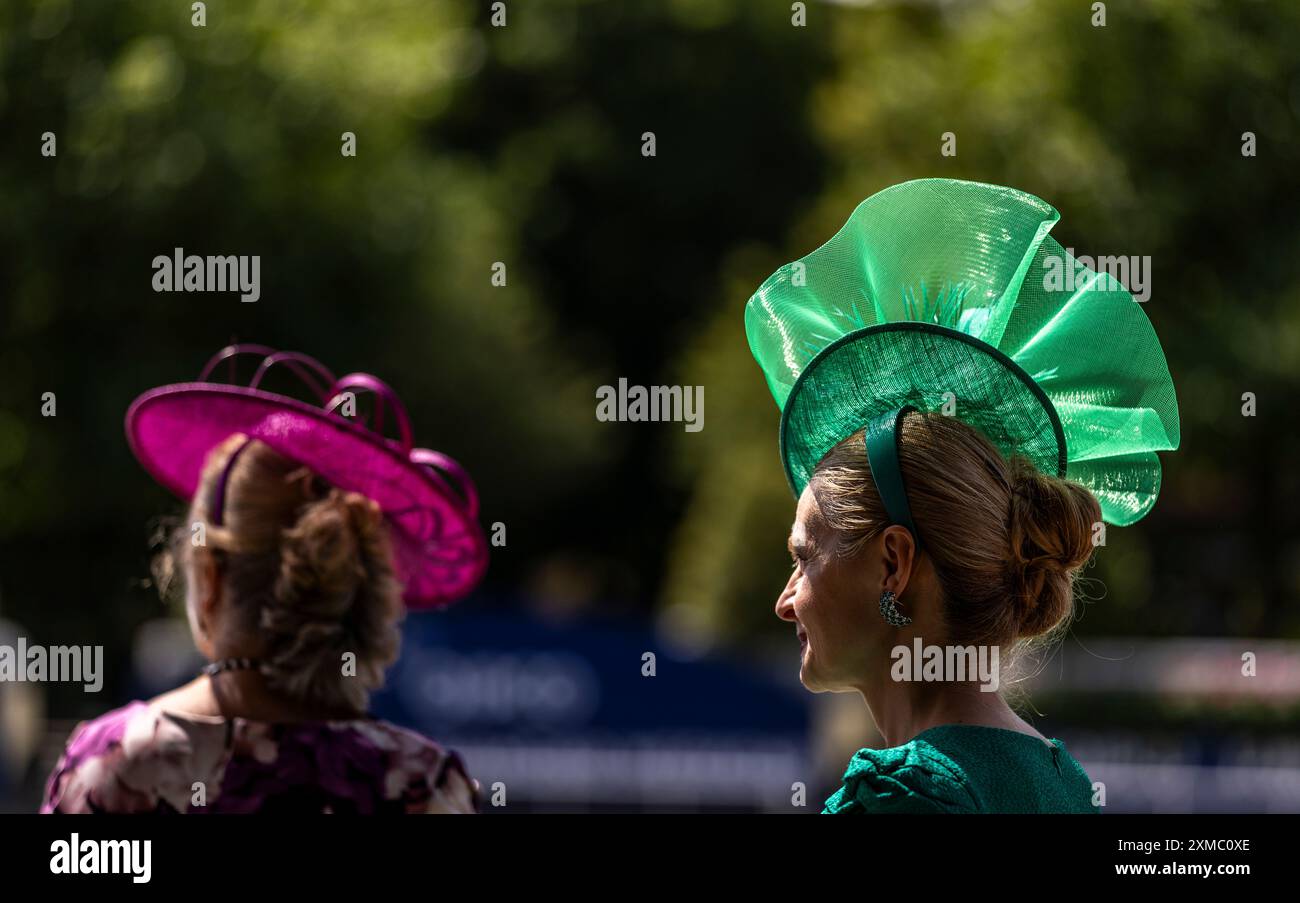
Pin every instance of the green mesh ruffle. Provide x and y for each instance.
(939, 286)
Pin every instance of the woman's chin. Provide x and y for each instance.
(815, 681)
(808, 677)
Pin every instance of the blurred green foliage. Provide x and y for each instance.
(522, 145)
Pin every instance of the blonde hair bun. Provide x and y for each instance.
(1050, 527)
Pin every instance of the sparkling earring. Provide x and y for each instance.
(889, 609)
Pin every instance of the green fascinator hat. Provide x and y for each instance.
(939, 294)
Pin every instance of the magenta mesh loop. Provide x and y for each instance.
(442, 466)
(387, 400)
(293, 359)
(301, 364)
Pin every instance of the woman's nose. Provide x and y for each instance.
(785, 601)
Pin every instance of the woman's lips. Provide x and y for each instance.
(803, 637)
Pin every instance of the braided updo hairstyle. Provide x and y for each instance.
(308, 570)
(1006, 541)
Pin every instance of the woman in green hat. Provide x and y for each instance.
(957, 423)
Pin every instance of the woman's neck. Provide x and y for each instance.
(243, 694)
(902, 709)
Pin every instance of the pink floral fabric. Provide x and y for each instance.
(140, 758)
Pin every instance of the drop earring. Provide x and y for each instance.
(889, 609)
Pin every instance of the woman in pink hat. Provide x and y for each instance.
(306, 534)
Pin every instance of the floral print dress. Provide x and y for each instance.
(140, 758)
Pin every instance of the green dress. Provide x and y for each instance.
(965, 768)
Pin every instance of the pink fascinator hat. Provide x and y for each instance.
(428, 500)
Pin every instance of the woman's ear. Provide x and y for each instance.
(204, 599)
(898, 551)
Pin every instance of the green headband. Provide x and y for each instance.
(881, 438)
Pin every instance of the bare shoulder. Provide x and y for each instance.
(194, 697)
